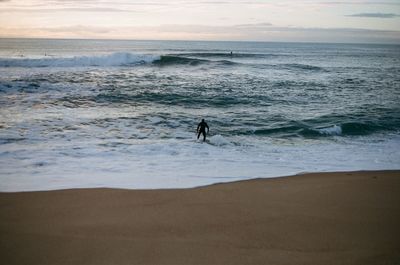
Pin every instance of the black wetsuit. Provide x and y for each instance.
(201, 129)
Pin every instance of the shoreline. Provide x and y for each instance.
(310, 218)
(301, 174)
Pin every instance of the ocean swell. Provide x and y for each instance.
(114, 59)
(341, 129)
(304, 67)
(170, 60)
(173, 60)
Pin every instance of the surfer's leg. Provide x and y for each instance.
(204, 134)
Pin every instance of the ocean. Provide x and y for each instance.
(123, 114)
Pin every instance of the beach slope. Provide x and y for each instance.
(321, 218)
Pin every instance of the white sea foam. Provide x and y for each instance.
(174, 163)
(114, 59)
(219, 140)
(334, 130)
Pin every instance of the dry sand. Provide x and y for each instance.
(324, 218)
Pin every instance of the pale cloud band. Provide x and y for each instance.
(252, 20)
(242, 32)
(375, 15)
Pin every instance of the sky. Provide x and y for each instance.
(361, 21)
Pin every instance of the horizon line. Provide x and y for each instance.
(183, 40)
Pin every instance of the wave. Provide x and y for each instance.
(114, 59)
(172, 60)
(343, 129)
(168, 60)
(303, 67)
(227, 55)
(169, 99)
(8, 140)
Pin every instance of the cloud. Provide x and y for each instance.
(89, 6)
(302, 2)
(257, 25)
(355, 2)
(375, 15)
(66, 9)
(240, 32)
(79, 29)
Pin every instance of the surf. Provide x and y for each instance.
(113, 59)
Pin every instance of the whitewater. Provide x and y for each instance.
(123, 114)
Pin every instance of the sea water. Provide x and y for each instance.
(97, 113)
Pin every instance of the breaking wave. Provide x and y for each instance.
(172, 60)
(114, 59)
(343, 129)
(166, 60)
(134, 59)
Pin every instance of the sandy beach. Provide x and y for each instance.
(321, 218)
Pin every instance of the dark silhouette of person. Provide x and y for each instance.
(201, 129)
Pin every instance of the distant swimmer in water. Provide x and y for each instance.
(201, 129)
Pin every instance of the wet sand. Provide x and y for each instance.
(321, 218)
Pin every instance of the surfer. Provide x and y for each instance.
(201, 129)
